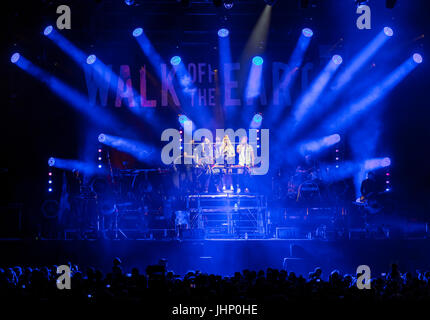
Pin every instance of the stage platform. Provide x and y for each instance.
(223, 256)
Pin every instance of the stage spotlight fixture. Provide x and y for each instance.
(51, 161)
(137, 32)
(418, 58)
(257, 118)
(388, 31)
(15, 57)
(223, 33)
(91, 59)
(307, 32)
(361, 2)
(175, 60)
(228, 4)
(257, 60)
(386, 162)
(182, 119)
(337, 59)
(129, 2)
(48, 30)
(101, 138)
(390, 3)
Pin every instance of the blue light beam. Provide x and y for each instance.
(141, 151)
(349, 113)
(72, 164)
(67, 93)
(319, 144)
(317, 87)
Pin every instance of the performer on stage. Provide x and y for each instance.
(246, 159)
(369, 187)
(371, 196)
(219, 160)
(218, 152)
(205, 159)
(306, 167)
(188, 178)
(228, 155)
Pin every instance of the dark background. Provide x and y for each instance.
(36, 124)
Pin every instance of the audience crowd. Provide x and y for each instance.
(272, 285)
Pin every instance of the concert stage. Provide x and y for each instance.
(223, 256)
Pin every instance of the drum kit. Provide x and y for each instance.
(305, 185)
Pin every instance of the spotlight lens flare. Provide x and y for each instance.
(331, 140)
(175, 60)
(388, 31)
(258, 61)
(137, 32)
(15, 57)
(223, 33)
(337, 59)
(257, 118)
(182, 119)
(307, 32)
(51, 162)
(91, 59)
(48, 30)
(386, 162)
(102, 138)
(417, 58)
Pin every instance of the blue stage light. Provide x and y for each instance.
(223, 33)
(15, 57)
(51, 161)
(337, 59)
(183, 118)
(320, 144)
(257, 60)
(129, 2)
(49, 189)
(386, 162)
(388, 31)
(102, 138)
(307, 32)
(418, 58)
(91, 59)
(331, 140)
(137, 32)
(175, 60)
(48, 30)
(257, 118)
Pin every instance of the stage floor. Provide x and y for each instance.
(222, 256)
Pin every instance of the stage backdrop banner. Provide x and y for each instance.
(194, 84)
